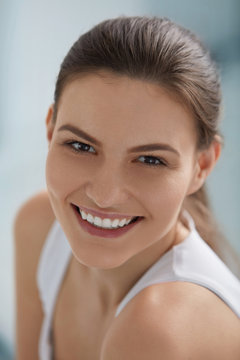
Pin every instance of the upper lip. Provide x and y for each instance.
(103, 215)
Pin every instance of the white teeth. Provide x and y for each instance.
(115, 223)
(122, 222)
(128, 221)
(97, 221)
(104, 223)
(84, 215)
(90, 218)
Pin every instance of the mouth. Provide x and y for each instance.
(105, 227)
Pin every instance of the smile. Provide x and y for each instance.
(105, 223)
(104, 227)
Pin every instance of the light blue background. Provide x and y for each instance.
(34, 37)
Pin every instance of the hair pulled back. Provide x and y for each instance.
(164, 53)
(155, 50)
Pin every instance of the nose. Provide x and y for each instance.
(107, 189)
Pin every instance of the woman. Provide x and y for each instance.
(109, 262)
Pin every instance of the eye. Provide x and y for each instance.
(152, 160)
(80, 147)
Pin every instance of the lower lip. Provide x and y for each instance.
(107, 233)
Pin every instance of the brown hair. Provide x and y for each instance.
(160, 51)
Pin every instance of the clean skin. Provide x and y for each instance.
(108, 175)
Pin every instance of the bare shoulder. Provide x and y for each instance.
(31, 226)
(34, 213)
(174, 321)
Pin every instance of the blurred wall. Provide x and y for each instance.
(34, 37)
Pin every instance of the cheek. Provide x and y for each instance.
(164, 195)
(63, 174)
(169, 186)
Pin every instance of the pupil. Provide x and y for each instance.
(85, 147)
(150, 160)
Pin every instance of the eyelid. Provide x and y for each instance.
(73, 141)
(162, 161)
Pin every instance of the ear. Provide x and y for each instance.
(49, 124)
(206, 161)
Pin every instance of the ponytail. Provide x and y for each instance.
(198, 206)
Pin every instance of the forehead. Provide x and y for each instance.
(123, 107)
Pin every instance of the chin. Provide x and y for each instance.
(101, 259)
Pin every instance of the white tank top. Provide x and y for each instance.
(192, 261)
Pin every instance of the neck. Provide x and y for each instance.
(108, 287)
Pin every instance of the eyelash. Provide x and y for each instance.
(149, 157)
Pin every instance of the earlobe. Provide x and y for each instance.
(49, 124)
(206, 161)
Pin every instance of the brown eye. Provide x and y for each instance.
(81, 147)
(152, 161)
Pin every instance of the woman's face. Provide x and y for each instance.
(122, 147)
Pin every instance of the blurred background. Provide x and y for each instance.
(34, 37)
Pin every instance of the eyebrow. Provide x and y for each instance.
(148, 147)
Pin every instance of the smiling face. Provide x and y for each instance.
(124, 148)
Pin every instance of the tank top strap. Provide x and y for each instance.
(161, 271)
(191, 261)
(53, 262)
